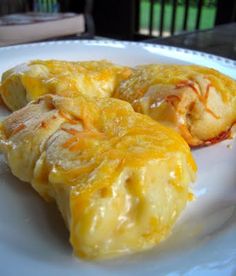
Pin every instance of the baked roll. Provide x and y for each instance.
(119, 178)
(29, 81)
(198, 102)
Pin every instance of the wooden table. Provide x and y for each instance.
(220, 40)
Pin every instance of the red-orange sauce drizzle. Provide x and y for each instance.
(202, 99)
(43, 124)
(18, 128)
(172, 99)
(65, 116)
(222, 136)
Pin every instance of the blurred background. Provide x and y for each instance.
(135, 19)
(139, 19)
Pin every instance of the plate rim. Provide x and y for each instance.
(106, 42)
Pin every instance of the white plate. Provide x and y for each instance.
(33, 238)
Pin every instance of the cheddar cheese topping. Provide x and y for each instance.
(119, 178)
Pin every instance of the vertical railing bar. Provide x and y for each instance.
(51, 5)
(174, 8)
(151, 17)
(199, 12)
(30, 6)
(44, 5)
(233, 17)
(137, 15)
(48, 4)
(162, 12)
(186, 9)
(39, 5)
(35, 6)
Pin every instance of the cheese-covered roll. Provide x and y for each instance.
(119, 178)
(29, 81)
(198, 102)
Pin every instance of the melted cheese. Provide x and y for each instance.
(198, 102)
(30, 81)
(119, 178)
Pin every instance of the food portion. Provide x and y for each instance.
(119, 178)
(29, 81)
(198, 102)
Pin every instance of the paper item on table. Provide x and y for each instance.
(21, 28)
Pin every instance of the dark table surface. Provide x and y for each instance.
(220, 40)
